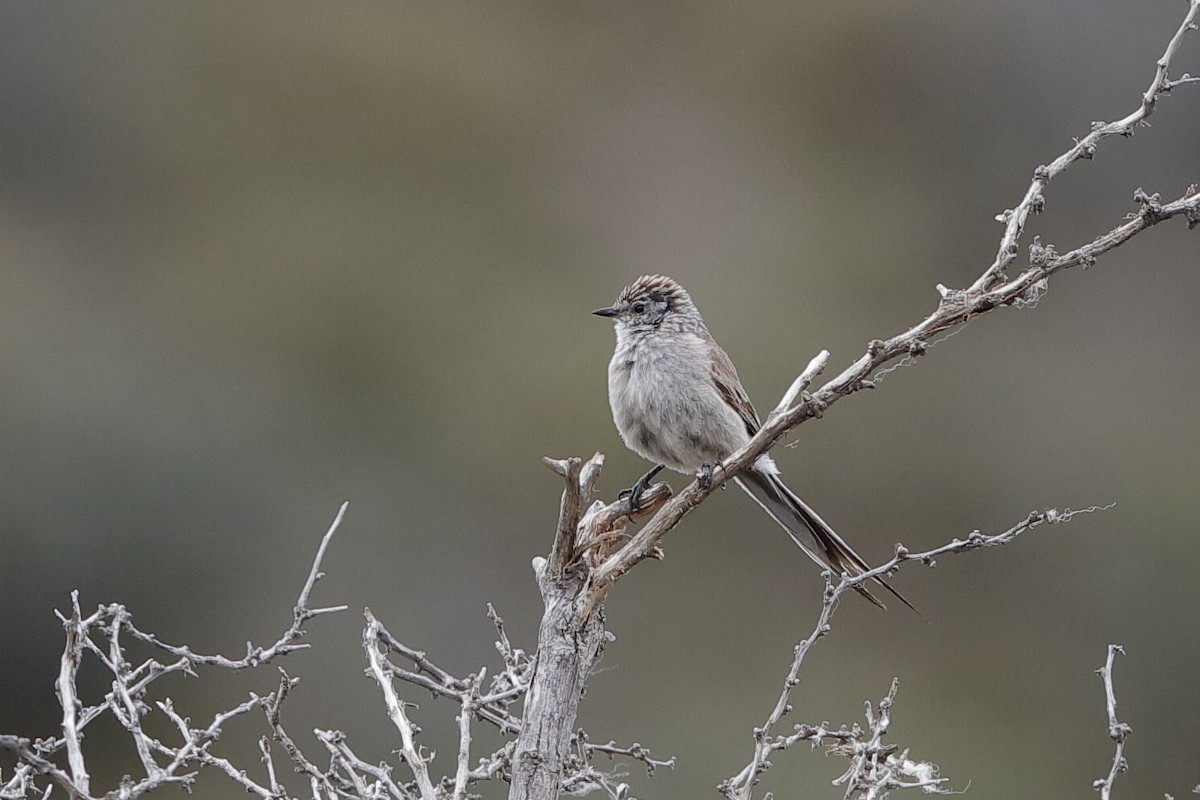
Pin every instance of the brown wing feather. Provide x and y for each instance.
(726, 379)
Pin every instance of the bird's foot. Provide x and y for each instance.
(634, 493)
(706, 474)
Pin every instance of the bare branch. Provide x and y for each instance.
(1117, 730)
(509, 685)
(125, 708)
(381, 672)
(814, 368)
(741, 786)
(320, 782)
(127, 703)
(582, 776)
(439, 682)
(568, 646)
(1034, 200)
(194, 750)
(351, 765)
(875, 768)
(264, 747)
(68, 697)
(301, 614)
(569, 512)
(634, 751)
(467, 705)
(41, 765)
(496, 765)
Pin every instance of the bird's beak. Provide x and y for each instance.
(608, 311)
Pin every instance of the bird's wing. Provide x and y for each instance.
(725, 378)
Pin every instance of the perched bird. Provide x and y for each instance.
(677, 402)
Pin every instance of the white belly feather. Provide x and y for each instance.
(665, 404)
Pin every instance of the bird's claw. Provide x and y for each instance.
(706, 474)
(634, 493)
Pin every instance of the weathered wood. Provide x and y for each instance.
(567, 651)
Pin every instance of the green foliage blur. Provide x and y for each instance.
(258, 259)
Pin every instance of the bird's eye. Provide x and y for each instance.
(639, 307)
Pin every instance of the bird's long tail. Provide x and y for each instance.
(810, 533)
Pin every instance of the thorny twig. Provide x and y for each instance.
(876, 768)
(635, 751)
(346, 775)
(161, 763)
(1034, 200)
(506, 688)
(287, 643)
(741, 785)
(417, 761)
(1117, 730)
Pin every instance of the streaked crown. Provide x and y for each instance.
(650, 304)
(657, 288)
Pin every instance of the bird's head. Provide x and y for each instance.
(648, 302)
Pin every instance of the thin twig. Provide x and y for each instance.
(68, 698)
(634, 751)
(1034, 199)
(264, 747)
(271, 705)
(25, 751)
(470, 699)
(395, 707)
(351, 764)
(1117, 730)
(440, 682)
(301, 614)
(814, 368)
(125, 708)
(741, 785)
(99, 636)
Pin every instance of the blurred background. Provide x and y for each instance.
(261, 259)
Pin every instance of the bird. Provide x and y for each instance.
(677, 402)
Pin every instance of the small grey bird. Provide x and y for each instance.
(677, 402)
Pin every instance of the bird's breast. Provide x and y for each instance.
(656, 391)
